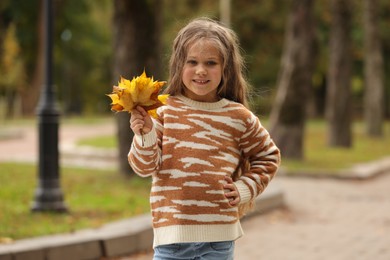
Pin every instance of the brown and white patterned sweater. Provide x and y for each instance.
(190, 150)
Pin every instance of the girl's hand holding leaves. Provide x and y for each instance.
(140, 121)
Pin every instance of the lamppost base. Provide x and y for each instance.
(49, 197)
(49, 207)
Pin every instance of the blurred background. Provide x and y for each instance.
(320, 76)
(84, 38)
(305, 58)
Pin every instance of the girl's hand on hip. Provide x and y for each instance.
(231, 192)
(140, 121)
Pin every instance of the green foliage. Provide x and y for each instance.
(24, 14)
(261, 31)
(94, 197)
(319, 156)
(11, 63)
(83, 53)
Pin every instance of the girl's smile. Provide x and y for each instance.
(202, 72)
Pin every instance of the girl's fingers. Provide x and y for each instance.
(233, 198)
(137, 124)
(234, 202)
(231, 192)
(141, 111)
(140, 121)
(136, 121)
(228, 179)
(135, 113)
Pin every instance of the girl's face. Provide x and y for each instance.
(202, 72)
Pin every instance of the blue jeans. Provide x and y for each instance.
(195, 251)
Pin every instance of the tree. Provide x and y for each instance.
(12, 70)
(373, 71)
(83, 54)
(288, 114)
(27, 18)
(136, 47)
(261, 28)
(339, 103)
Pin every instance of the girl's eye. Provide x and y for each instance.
(192, 62)
(211, 63)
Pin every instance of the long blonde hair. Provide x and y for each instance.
(233, 85)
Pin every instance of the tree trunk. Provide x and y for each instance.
(338, 104)
(136, 47)
(288, 114)
(373, 71)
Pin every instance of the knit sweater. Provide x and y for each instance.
(191, 148)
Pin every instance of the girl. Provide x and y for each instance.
(206, 152)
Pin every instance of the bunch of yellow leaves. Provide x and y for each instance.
(140, 91)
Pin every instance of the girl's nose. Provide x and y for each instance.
(200, 70)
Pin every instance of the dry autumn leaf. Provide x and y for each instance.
(140, 91)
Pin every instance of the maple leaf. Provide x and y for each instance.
(140, 91)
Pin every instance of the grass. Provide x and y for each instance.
(99, 142)
(318, 156)
(88, 120)
(94, 197)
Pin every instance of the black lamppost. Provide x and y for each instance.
(48, 194)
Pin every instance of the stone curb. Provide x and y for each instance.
(82, 156)
(124, 237)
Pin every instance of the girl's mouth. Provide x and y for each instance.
(200, 81)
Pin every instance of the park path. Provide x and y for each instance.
(22, 144)
(323, 219)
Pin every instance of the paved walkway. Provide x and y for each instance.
(324, 218)
(22, 146)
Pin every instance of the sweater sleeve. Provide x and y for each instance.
(263, 157)
(144, 155)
